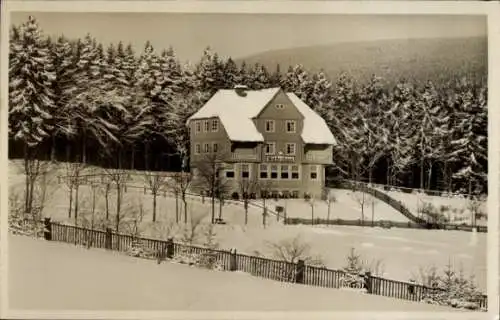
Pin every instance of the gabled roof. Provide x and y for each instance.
(236, 113)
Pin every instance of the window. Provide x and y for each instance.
(270, 148)
(295, 194)
(198, 127)
(284, 172)
(215, 125)
(230, 171)
(197, 148)
(215, 147)
(290, 126)
(314, 173)
(274, 172)
(245, 171)
(290, 148)
(206, 148)
(295, 172)
(280, 106)
(269, 125)
(263, 171)
(206, 125)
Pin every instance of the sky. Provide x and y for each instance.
(240, 35)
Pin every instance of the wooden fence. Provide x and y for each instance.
(230, 260)
(384, 224)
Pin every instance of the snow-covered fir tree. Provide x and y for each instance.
(31, 91)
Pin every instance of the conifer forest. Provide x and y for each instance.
(125, 107)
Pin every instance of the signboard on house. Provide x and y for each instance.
(280, 158)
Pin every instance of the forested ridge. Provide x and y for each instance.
(119, 106)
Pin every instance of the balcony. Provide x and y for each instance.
(324, 158)
(244, 156)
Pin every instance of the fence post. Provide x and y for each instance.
(170, 248)
(47, 230)
(233, 266)
(108, 241)
(299, 275)
(368, 282)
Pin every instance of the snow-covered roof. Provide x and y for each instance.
(236, 113)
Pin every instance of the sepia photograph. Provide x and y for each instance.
(247, 162)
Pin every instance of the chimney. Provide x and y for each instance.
(241, 90)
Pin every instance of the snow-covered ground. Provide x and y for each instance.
(457, 208)
(402, 251)
(54, 276)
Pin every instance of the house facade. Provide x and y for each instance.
(268, 141)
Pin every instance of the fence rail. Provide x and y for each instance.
(383, 224)
(232, 261)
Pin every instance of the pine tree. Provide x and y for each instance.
(276, 78)
(470, 141)
(62, 53)
(296, 80)
(372, 102)
(400, 126)
(31, 78)
(232, 73)
(31, 99)
(258, 77)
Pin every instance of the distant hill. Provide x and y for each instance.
(412, 59)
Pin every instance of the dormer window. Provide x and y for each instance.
(269, 125)
(291, 126)
(280, 106)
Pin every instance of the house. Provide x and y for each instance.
(268, 137)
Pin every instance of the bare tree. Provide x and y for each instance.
(118, 178)
(247, 188)
(329, 198)
(362, 201)
(155, 181)
(311, 201)
(209, 177)
(293, 249)
(180, 184)
(474, 204)
(264, 187)
(73, 181)
(192, 230)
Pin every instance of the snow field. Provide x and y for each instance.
(402, 251)
(55, 276)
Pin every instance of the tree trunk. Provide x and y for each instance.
(246, 211)
(185, 208)
(155, 194)
(118, 205)
(84, 148)
(26, 180)
(422, 164)
(429, 176)
(132, 158)
(77, 193)
(53, 149)
(146, 155)
(213, 207)
(177, 219)
(70, 200)
(107, 200)
(328, 213)
(312, 214)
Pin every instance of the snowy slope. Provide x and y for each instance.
(55, 276)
